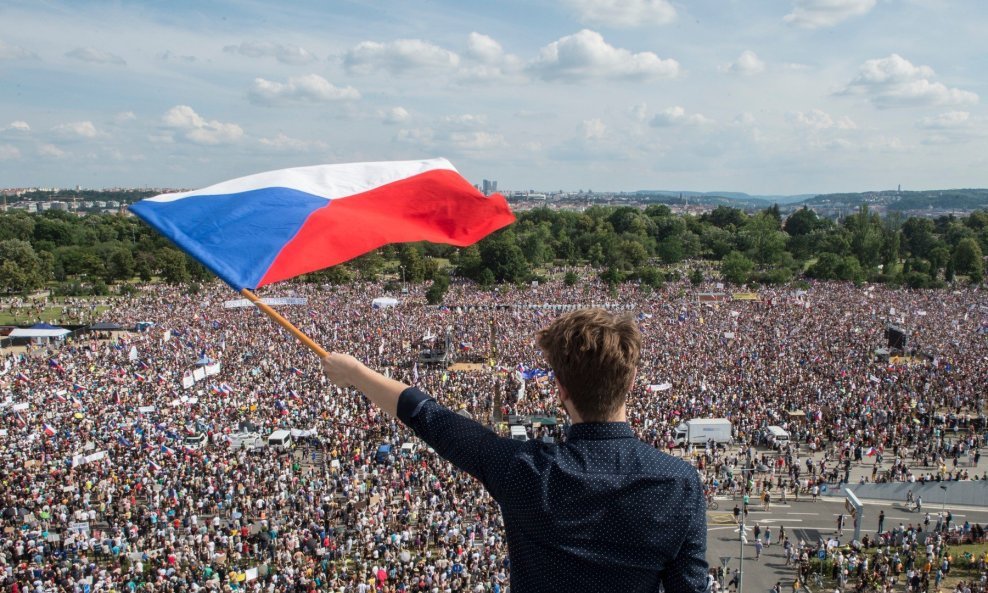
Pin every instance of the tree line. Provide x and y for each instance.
(95, 253)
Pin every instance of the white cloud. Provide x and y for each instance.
(476, 140)
(14, 52)
(483, 49)
(465, 120)
(286, 54)
(124, 117)
(395, 115)
(748, 63)
(950, 120)
(812, 14)
(402, 56)
(9, 153)
(283, 142)
(677, 116)
(485, 61)
(419, 136)
(744, 119)
(170, 56)
(310, 88)
(199, 130)
(95, 56)
(639, 112)
(17, 126)
(50, 151)
(895, 82)
(586, 55)
(815, 119)
(623, 13)
(593, 129)
(81, 129)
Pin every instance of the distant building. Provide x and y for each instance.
(488, 187)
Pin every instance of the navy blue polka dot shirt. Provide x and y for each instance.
(601, 511)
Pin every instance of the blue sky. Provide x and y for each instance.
(767, 96)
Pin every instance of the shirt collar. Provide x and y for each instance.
(595, 431)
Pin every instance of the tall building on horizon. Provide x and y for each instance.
(488, 187)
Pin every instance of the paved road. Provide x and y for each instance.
(803, 520)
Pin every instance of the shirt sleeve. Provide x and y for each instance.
(688, 572)
(465, 443)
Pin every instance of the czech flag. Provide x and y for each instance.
(154, 466)
(272, 226)
(167, 450)
(22, 377)
(77, 388)
(48, 429)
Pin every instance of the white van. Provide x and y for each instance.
(518, 433)
(281, 439)
(778, 436)
(246, 440)
(194, 441)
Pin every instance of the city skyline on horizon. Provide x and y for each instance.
(788, 97)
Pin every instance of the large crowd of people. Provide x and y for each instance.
(105, 485)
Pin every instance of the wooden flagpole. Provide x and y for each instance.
(284, 323)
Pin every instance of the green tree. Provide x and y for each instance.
(670, 250)
(866, 236)
(502, 256)
(725, 217)
(172, 266)
(16, 225)
(612, 276)
(650, 276)
(437, 291)
(486, 278)
(120, 265)
(918, 236)
(969, 259)
(802, 222)
(766, 242)
(571, 278)
(469, 263)
(21, 268)
(736, 268)
(412, 261)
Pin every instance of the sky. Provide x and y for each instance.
(768, 97)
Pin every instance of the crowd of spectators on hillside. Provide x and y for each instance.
(101, 489)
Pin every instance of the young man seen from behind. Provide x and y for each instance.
(601, 511)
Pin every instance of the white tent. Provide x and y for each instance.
(40, 330)
(384, 302)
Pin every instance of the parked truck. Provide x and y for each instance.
(699, 431)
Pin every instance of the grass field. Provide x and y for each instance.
(27, 316)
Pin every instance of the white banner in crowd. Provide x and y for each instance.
(78, 460)
(199, 374)
(21, 406)
(212, 369)
(660, 387)
(188, 381)
(241, 303)
(133, 354)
